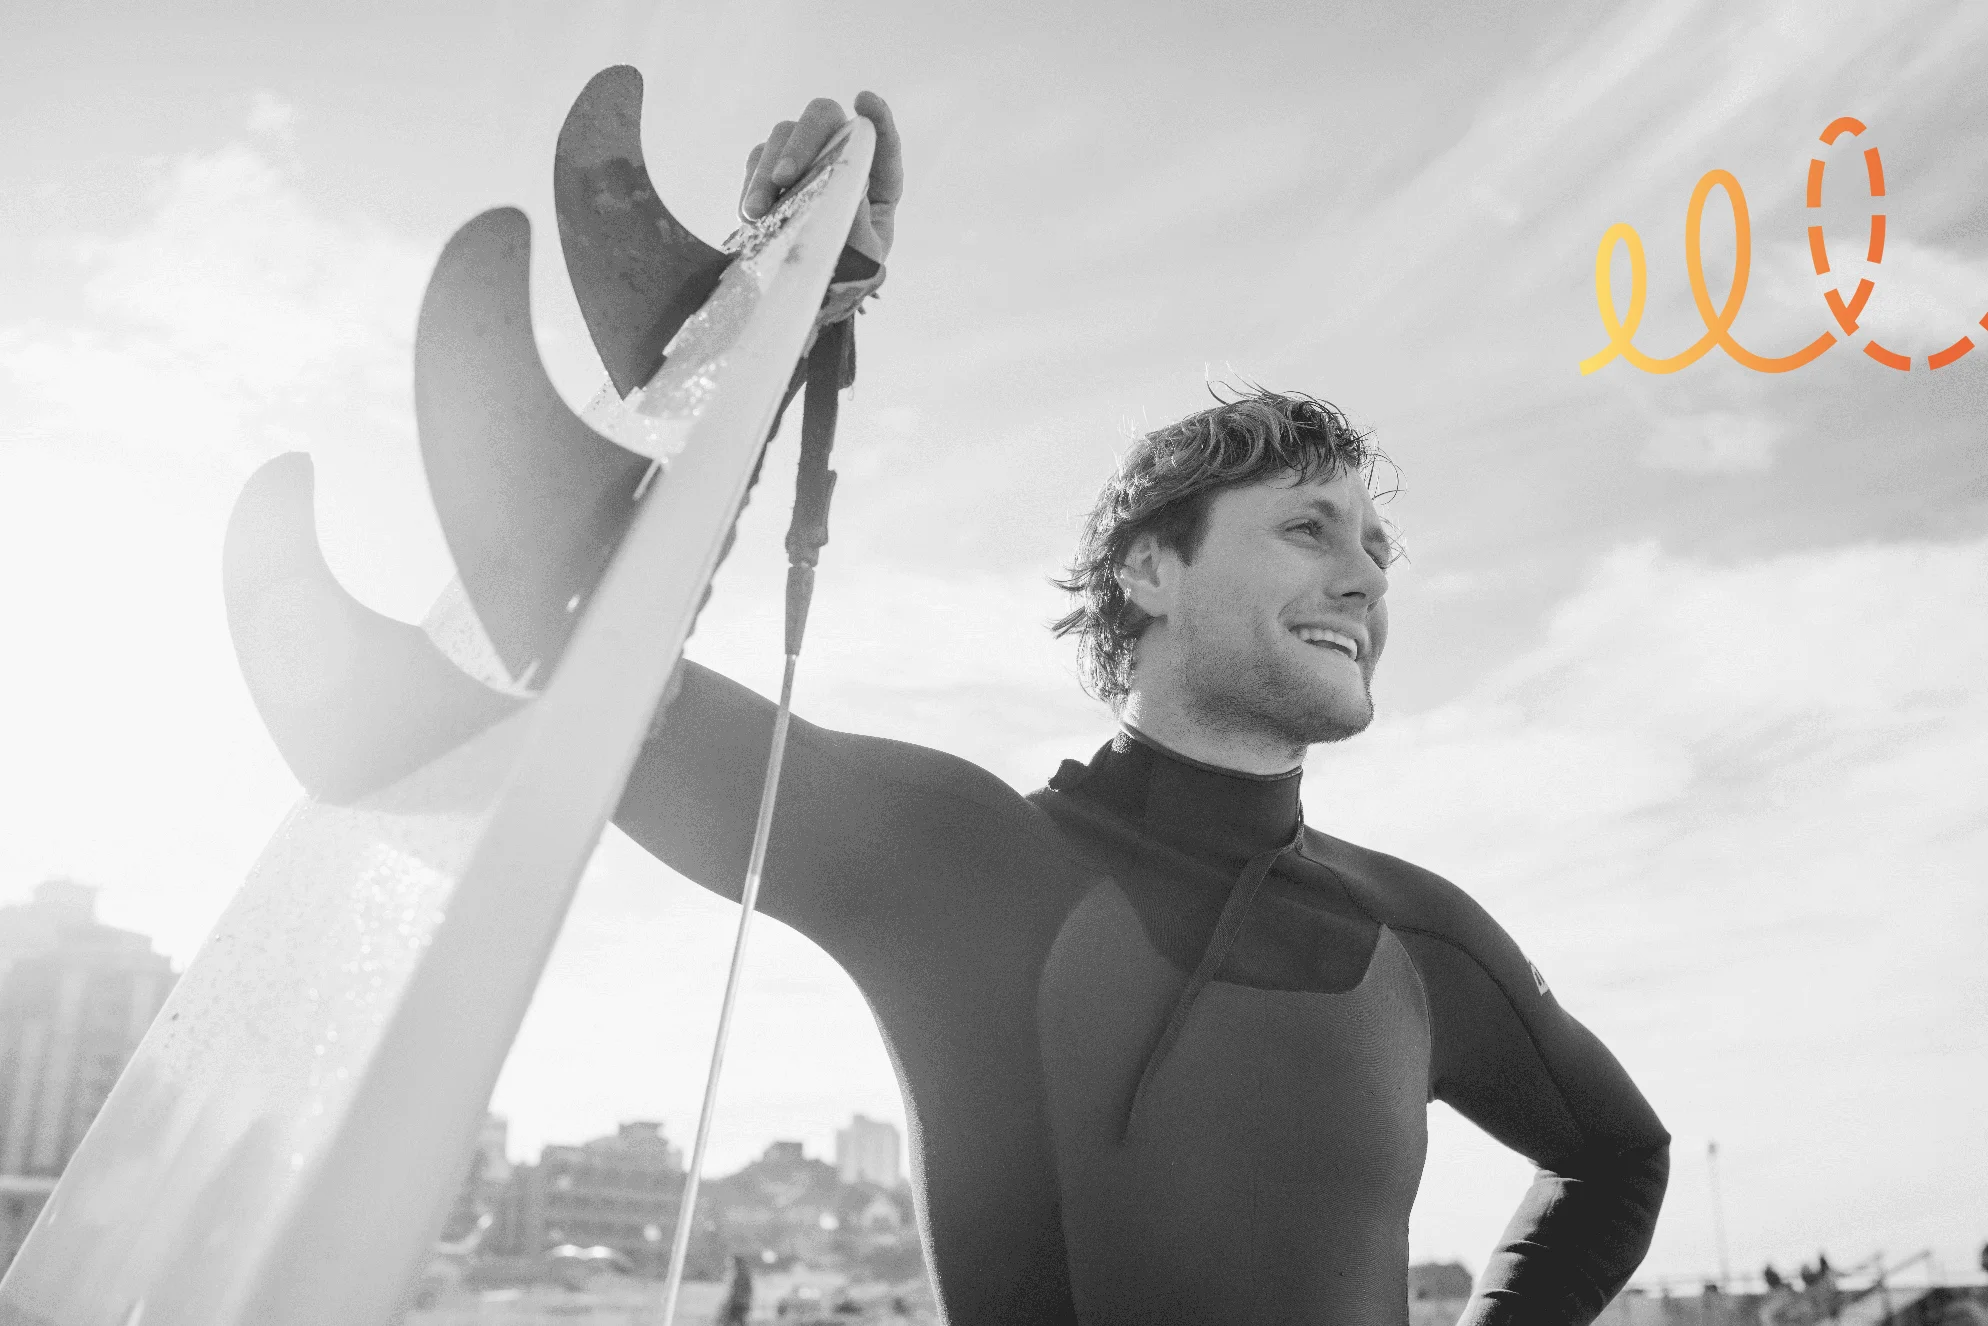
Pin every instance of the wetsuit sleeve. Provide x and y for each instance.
(861, 822)
(1506, 1056)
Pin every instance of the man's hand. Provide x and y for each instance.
(773, 166)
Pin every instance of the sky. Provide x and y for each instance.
(1688, 678)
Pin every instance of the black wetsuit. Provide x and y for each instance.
(1166, 1053)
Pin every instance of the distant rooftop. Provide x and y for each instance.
(71, 897)
(62, 915)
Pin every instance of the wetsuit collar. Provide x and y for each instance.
(1239, 822)
(1221, 816)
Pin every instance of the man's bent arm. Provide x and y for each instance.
(1507, 1057)
(1511, 1060)
(1581, 1231)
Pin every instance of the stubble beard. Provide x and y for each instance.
(1265, 697)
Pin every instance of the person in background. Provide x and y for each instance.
(737, 1308)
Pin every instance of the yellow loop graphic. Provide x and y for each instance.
(1718, 322)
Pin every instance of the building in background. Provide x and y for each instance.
(783, 1155)
(866, 1152)
(786, 1208)
(493, 1142)
(617, 1192)
(1439, 1282)
(76, 996)
(480, 1206)
(622, 1193)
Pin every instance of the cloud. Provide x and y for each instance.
(233, 299)
(959, 660)
(1717, 442)
(1616, 126)
(232, 320)
(1924, 297)
(270, 116)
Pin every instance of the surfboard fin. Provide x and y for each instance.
(637, 272)
(532, 502)
(354, 700)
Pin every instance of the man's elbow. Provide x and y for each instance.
(1646, 1171)
(1634, 1178)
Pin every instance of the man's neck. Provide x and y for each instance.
(1225, 748)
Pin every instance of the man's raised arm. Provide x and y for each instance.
(863, 827)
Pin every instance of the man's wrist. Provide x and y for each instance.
(845, 297)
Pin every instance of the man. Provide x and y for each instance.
(1166, 1050)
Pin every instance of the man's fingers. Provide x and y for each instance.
(786, 155)
(793, 145)
(760, 191)
(887, 165)
(817, 125)
(886, 174)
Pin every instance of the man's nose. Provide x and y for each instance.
(1364, 579)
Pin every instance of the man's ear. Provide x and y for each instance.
(1149, 574)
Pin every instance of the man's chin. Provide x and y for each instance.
(1333, 718)
(1323, 730)
(1303, 710)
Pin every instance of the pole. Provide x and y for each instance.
(1718, 1216)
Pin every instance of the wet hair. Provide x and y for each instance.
(1163, 486)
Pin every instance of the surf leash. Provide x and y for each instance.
(830, 365)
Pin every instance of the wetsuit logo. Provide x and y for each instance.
(1719, 321)
(1537, 980)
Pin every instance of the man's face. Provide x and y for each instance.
(1274, 628)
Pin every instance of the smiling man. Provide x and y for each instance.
(1166, 1049)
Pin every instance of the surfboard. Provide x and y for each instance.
(285, 1143)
